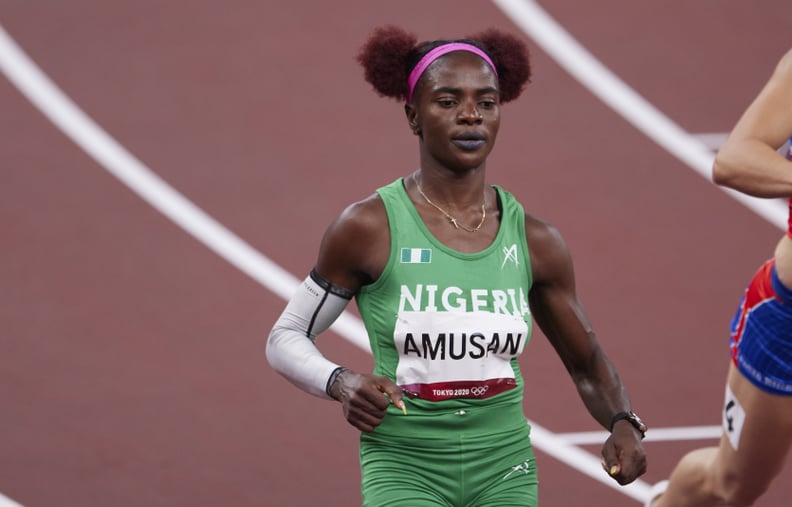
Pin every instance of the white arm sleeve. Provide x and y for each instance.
(291, 347)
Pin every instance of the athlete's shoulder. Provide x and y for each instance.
(360, 219)
(549, 251)
(354, 248)
(541, 232)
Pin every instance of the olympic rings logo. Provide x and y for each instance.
(478, 390)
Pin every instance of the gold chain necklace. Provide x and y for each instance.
(451, 219)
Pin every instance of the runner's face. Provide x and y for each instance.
(457, 108)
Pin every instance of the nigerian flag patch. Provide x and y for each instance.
(416, 255)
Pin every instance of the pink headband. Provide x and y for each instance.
(436, 53)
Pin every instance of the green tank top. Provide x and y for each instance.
(448, 326)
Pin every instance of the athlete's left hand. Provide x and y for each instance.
(623, 455)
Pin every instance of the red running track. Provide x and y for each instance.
(132, 366)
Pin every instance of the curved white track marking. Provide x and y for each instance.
(584, 67)
(73, 122)
(7, 502)
(583, 461)
(712, 140)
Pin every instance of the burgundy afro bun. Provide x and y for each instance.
(511, 58)
(390, 53)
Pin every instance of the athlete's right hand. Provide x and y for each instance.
(365, 398)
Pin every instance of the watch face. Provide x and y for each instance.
(638, 422)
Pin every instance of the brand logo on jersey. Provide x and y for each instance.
(522, 468)
(416, 255)
(510, 254)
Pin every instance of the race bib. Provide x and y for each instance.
(445, 355)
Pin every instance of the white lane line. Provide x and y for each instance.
(7, 502)
(583, 461)
(653, 435)
(712, 140)
(74, 123)
(603, 83)
(81, 129)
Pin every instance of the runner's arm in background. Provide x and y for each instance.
(749, 161)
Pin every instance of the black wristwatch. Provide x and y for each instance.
(633, 419)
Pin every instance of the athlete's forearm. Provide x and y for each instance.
(602, 390)
(291, 348)
(753, 168)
